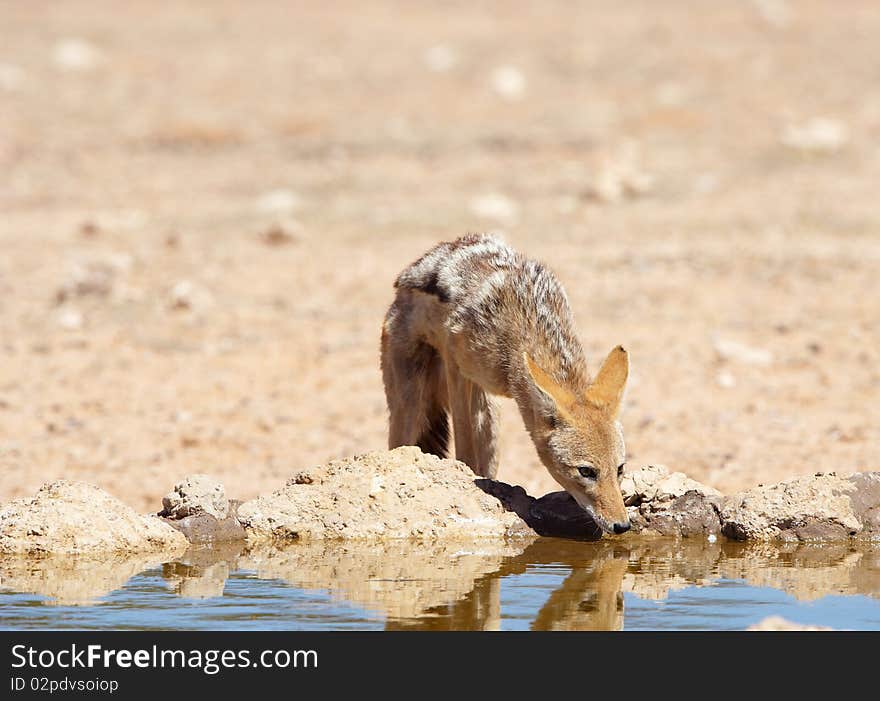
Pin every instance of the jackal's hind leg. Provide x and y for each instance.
(474, 423)
(415, 388)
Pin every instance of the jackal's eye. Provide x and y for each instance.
(620, 469)
(589, 472)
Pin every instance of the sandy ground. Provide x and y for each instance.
(704, 180)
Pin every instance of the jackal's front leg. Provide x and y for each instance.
(474, 424)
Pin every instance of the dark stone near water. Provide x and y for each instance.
(734, 531)
(560, 515)
(556, 514)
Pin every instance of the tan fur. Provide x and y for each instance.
(472, 318)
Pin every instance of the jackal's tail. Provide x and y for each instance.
(435, 436)
(415, 387)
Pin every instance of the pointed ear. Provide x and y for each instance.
(606, 390)
(557, 399)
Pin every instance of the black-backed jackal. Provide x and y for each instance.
(474, 318)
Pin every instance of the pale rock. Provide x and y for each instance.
(509, 82)
(619, 174)
(189, 296)
(279, 201)
(725, 379)
(496, 207)
(431, 498)
(819, 135)
(196, 494)
(70, 319)
(78, 518)
(730, 350)
(76, 55)
(818, 507)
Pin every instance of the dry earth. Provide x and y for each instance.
(203, 205)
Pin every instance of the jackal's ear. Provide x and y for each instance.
(557, 399)
(606, 390)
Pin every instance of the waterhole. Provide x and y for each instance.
(546, 584)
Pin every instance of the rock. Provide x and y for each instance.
(187, 295)
(74, 518)
(90, 278)
(198, 508)
(659, 503)
(205, 529)
(817, 136)
(654, 483)
(641, 485)
(422, 497)
(725, 379)
(76, 55)
(691, 515)
(70, 319)
(89, 229)
(194, 495)
(780, 623)
(509, 82)
(279, 235)
(667, 503)
(619, 175)
(729, 350)
(556, 514)
(821, 507)
(496, 207)
(280, 201)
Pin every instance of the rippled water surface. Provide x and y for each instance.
(547, 584)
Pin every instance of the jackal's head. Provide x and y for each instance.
(580, 440)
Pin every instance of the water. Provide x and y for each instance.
(548, 584)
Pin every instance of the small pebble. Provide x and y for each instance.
(278, 235)
(725, 379)
(495, 206)
(509, 82)
(76, 55)
(817, 135)
(70, 319)
(278, 201)
(730, 350)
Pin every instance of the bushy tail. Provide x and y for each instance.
(435, 437)
(415, 388)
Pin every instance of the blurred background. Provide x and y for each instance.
(203, 206)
